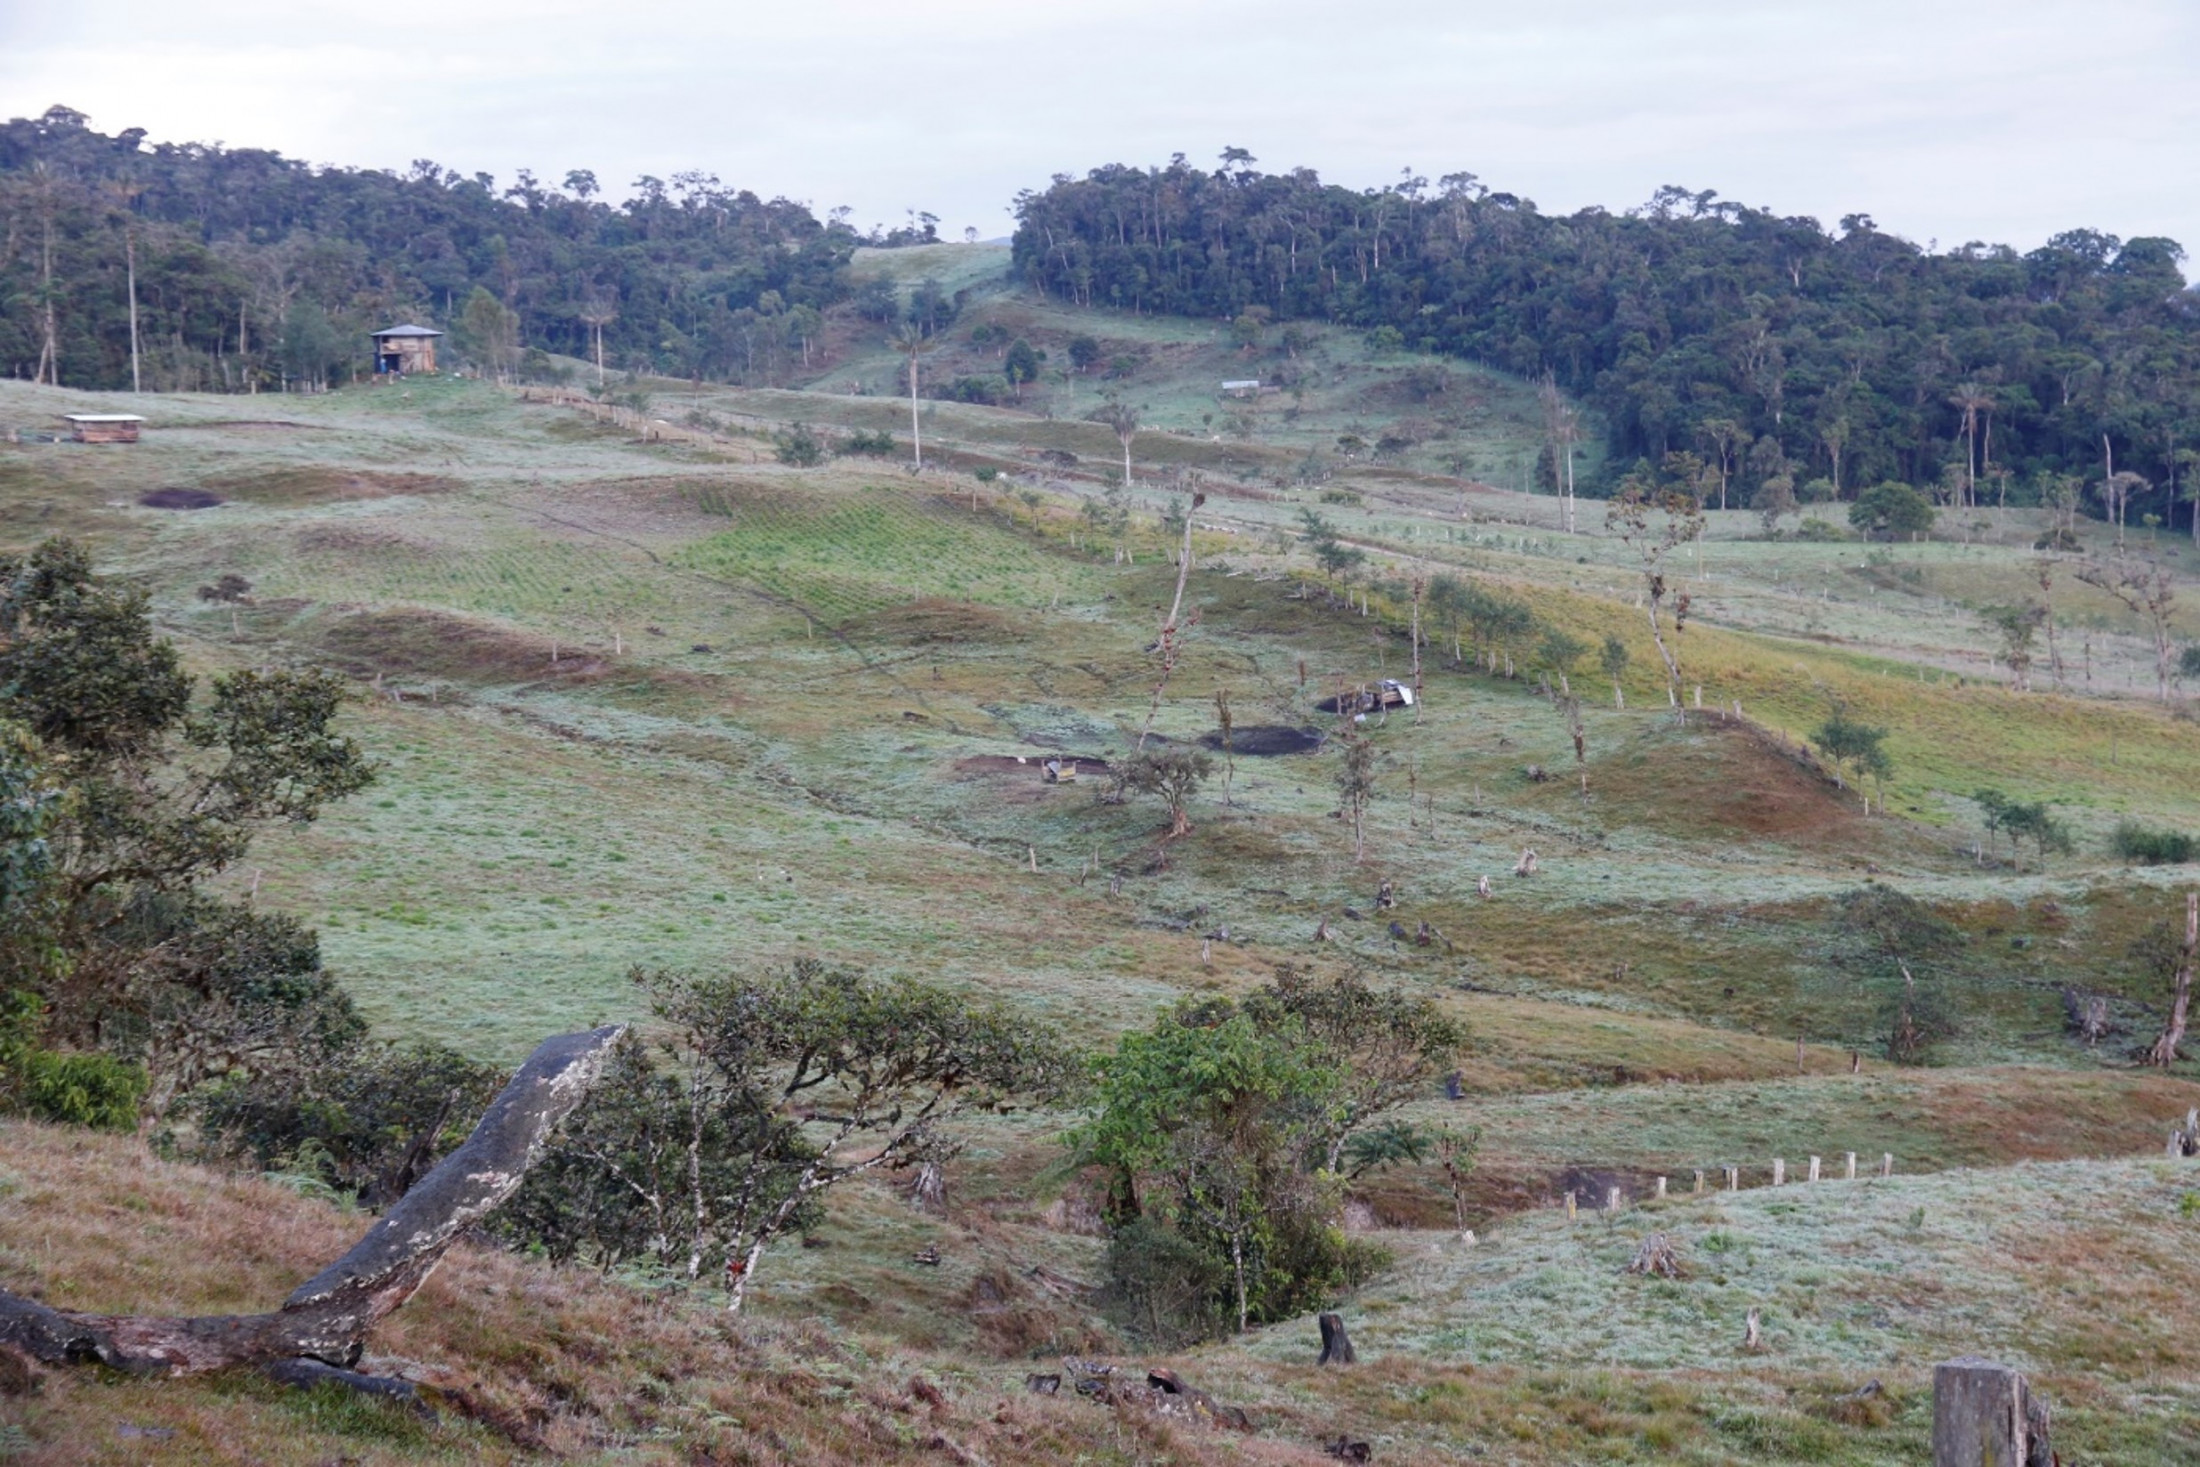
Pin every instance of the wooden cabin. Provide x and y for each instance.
(401, 351)
(103, 427)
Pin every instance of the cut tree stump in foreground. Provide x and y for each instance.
(326, 1318)
(1336, 1344)
(1986, 1412)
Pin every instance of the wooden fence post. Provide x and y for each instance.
(1779, 1171)
(1814, 1168)
(1886, 1164)
(1852, 1166)
(1661, 1188)
(1699, 1179)
(1611, 1200)
(1733, 1179)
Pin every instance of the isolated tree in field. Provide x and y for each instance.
(1654, 522)
(1881, 928)
(2146, 590)
(2017, 626)
(1172, 776)
(1850, 744)
(1121, 419)
(1356, 781)
(1021, 365)
(596, 314)
(915, 343)
(1774, 501)
(1223, 1131)
(1084, 353)
(2164, 1050)
(1337, 559)
(1613, 659)
(1892, 511)
(767, 1091)
(1560, 653)
(1170, 644)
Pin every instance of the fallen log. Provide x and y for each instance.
(327, 1318)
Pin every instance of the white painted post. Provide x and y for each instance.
(1779, 1171)
(1852, 1166)
(1886, 1164)
(1611, 1200)
(1661, 1188)
(1814, 1168)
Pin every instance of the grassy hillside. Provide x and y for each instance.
(656, 698)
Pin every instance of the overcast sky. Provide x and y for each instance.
(1946, 120)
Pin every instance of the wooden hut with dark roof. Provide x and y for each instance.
(400, 351)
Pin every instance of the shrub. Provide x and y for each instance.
(1892, 511)
(95, 1090)
(1341, 496)
(2147, 846)
(1820, 530)
(800, 447)
(871, 445)
(985, 474)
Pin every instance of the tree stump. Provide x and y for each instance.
(1336, 1344)
(1983, 1412)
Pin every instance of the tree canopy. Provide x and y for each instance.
(1691, 323)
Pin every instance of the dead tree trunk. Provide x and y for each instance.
(2164, 1052)
(1984, 1412)
(327, 1317)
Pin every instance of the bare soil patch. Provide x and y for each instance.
(180, 498)
(1731, 778)
(314, 484)
(418, 643)
(932, 621)
(1268, 740)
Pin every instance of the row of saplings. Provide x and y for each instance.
(138, 996)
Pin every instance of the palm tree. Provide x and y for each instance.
(1974, 401)
(1122, 418)
(912, 342)
(596, 315)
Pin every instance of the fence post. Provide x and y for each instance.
(1814, 1168)
(1779, 1171)
(1852, 1166)
(1886, 1164)
(1733, 1179)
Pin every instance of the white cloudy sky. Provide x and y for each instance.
(1946, 120)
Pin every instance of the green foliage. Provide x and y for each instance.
(1853, 744)
(1613, 658)
(1084, 353)
(1560, 652)
(879, 444)
(1893, 938)
(799, 447)
(766, 1091)
(1021, 365)
(143, 797)
(2020, 820)
(1171, 775)
(1337, 559)
(691, 277)
(1601, 298)
(2188, 662)
(1892, 511)
(2147, 845)
(1818, 531)
(1223, 1130)
(96, 1090)
(367, 1121)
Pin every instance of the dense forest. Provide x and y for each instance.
(252, 270)
(1747, 346)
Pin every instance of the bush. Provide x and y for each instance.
(367, 1121)
(800, 447)
(2146, 846)
(983, 391)
(872, 445)
(985, 474)
(1820, 530)
(1892, 511)
(1341, 496)
(95, 1090)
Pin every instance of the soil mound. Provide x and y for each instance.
(177, 498)
(1269, 740)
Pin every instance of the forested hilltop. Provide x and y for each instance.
(1767, 346)
(253, 269)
